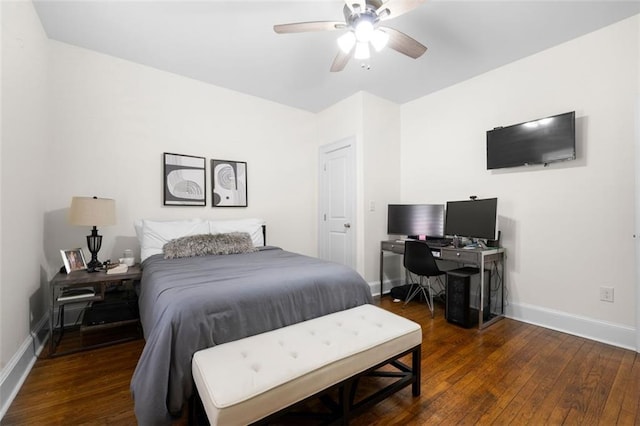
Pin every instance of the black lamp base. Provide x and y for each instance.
(94, 242)
(94, 265)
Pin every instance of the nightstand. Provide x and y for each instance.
(106, 304)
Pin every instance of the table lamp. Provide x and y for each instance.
(93, 211)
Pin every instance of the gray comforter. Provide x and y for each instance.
(193, 303)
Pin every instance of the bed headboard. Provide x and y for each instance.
(152, 235)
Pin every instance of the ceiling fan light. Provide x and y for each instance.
(364, 30)
(347, 41)
(379, 39)
(362, 51)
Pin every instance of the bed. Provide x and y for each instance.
(191, 303)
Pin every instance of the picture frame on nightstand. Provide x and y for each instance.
(73, 260)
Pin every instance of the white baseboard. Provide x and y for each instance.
(17, 369)
(375, 286)
(602, 331)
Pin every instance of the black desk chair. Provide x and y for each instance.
(419, 260)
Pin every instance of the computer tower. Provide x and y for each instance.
(463, 296)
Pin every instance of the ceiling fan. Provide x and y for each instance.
(362, 21)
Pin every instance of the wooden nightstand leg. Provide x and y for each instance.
(55, 342)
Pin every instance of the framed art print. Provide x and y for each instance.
(73, 260)
(184, 180)
(229, 182)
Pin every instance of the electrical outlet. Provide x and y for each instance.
(606, 294)
(372, 206)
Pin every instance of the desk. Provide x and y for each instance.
(491, 259)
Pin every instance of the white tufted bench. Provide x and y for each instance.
(247, 380)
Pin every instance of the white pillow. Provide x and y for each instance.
(155, 234)
(251, 226)
(137, 225)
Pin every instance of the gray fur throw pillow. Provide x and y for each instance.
(206, 244)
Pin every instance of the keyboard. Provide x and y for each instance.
(442, 242)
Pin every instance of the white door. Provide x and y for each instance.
(337, 202)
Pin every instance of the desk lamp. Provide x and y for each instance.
(93, 211)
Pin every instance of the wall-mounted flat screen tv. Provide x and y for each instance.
(541, 141)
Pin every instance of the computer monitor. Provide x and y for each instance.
(472, 218)
(416, 220)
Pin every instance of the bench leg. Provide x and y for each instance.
(345, 396)
(416, 359)
(196, 413)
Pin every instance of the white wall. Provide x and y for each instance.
(568, 228)
(637, 199)
(23, 183)
(113, 119)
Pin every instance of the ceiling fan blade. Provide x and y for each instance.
(340, 61)
(301, 27)
(394, 8)
(404, 44)
(356, 5)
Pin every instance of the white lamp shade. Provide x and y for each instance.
(347, 41)
(88, 211)
(379, 39)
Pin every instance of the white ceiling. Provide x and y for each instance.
(232, 43)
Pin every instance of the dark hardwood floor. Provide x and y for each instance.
(509, 373)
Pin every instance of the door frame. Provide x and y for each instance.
(323, 150)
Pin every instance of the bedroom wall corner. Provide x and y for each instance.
(381, 170)
(24, 143)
